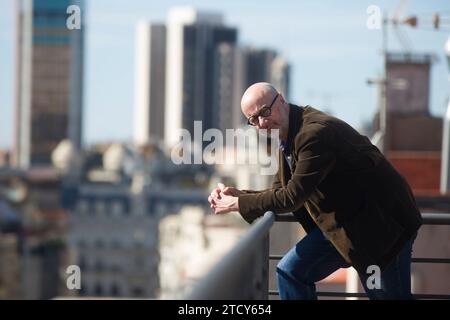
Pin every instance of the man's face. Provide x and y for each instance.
(265, 113)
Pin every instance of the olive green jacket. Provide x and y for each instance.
(348, 188)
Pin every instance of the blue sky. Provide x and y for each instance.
(331, 51)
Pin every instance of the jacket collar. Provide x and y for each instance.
(295, 123)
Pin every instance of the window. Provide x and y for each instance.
(116, 208)
(81, 245)
(83, 290)
(115, 290)
(83, 206)
(137, 292)
(99, 267)
(115, 245)
(139, 239)
(82, 263)
(100, 207)
(98, 290)
(115, 268)
(139, 262)
(99, 244)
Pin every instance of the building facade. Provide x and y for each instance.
(49, 74)
(193, 38)
(150, 72)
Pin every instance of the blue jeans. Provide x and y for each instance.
(314, 258)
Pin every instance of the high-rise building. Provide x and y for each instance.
(150, 72)
(49, 74)
(226, 83)
(257, 65)
(192, 41)
(265, 65)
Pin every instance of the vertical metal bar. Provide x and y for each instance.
(265, 267)
(352, 283)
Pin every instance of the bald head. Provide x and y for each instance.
(263, 94)
(256, 95)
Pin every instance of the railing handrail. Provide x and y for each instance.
(227, 274)
(428, 218)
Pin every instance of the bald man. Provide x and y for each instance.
(356, 208)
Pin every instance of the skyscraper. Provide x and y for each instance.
(225, 85)
(150, 73)
(49, 74)
(193, 38)
(265, 65)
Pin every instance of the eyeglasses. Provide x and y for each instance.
(264, 112)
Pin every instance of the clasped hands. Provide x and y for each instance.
(224, 199)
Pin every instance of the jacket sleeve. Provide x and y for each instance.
(315, 159)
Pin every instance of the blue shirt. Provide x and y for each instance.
(286, 150)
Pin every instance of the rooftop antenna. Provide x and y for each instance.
(379, 138)
(436, 21)
(396, 21)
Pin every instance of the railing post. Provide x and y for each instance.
(260, 265)
(265, 267)
(351, 285)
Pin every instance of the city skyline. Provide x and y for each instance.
(334, 56)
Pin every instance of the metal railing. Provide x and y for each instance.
(243, 273)
(428, 219)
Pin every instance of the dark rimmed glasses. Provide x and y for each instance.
(264, 112)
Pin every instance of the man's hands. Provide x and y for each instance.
(224, 199)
